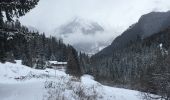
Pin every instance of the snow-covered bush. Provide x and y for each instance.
(81, 93)
(67, 89)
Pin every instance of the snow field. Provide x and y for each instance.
(19, 82)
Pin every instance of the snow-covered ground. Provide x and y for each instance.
(19, 82)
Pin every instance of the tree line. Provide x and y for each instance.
(142, 65)
(33, 48)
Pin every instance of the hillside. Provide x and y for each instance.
(138, 59)
(143, 65)
(147, 25)
(34, 48)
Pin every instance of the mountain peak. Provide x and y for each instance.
(153, 22)
(81, 33)
(79, 25)
(148, 25)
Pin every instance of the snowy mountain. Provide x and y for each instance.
(147, 25)
(84, 35)
(19, 82)
(79, 25)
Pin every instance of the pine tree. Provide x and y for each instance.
(16, 8)
(73, 66)
(10, 9)
(1, 19)
(2, 46)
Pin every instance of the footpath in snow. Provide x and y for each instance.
(19, 82)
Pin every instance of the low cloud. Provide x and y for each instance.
(114, 15)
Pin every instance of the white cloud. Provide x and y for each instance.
(115, 15)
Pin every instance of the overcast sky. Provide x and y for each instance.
(118, 14)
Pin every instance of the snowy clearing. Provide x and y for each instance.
(19, 82)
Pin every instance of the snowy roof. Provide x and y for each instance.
(56, 62)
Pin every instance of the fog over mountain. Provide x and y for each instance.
(81, 33)
(79, 25)
(147, 25)
(112, 16)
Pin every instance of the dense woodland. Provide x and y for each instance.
(33, 48)
(143, 65)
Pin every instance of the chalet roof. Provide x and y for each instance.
(56, 62)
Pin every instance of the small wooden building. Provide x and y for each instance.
(57, 65)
